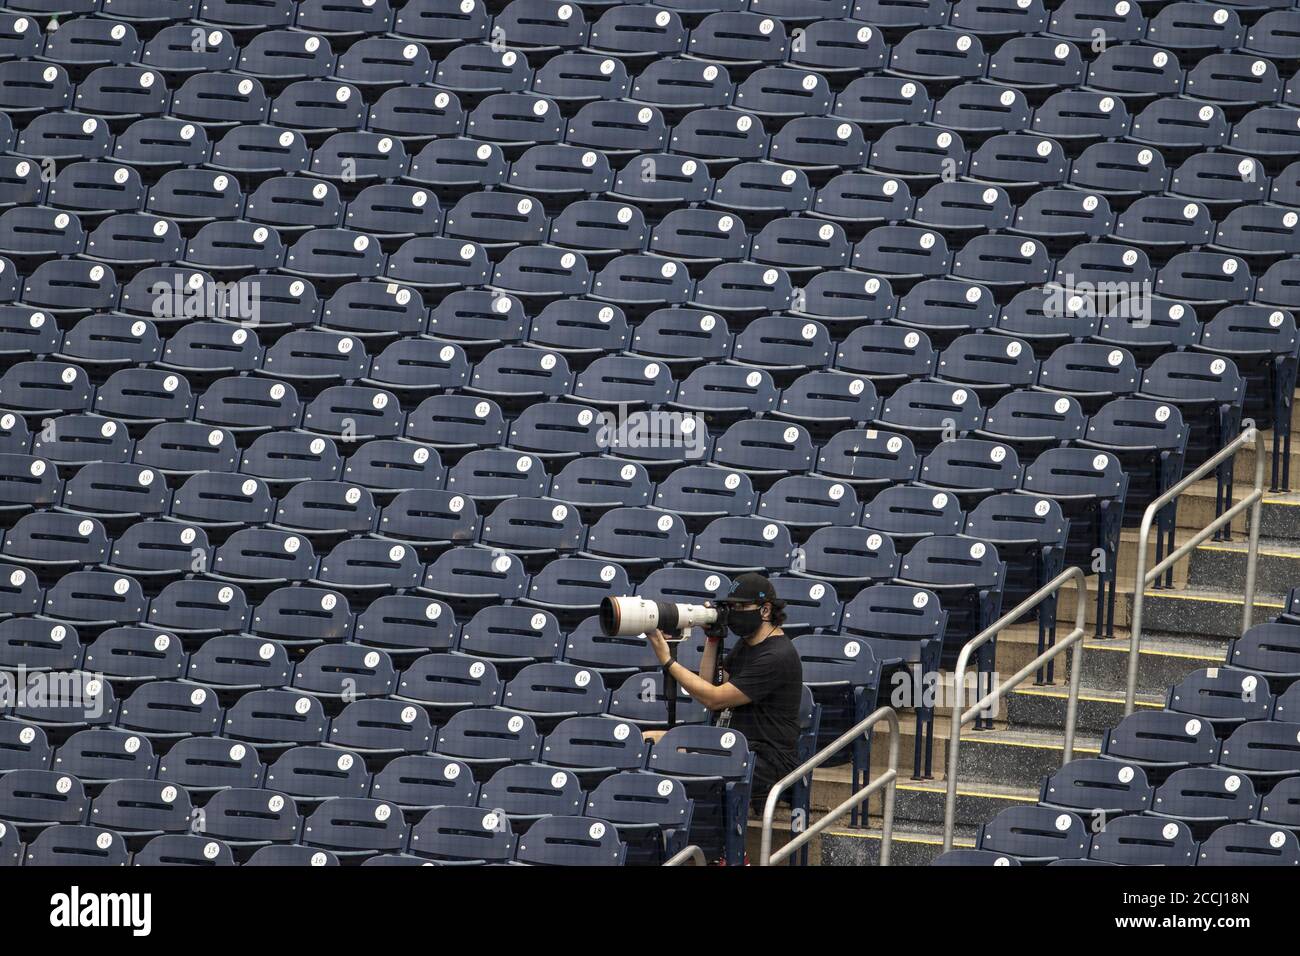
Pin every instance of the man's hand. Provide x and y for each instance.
(659, 644)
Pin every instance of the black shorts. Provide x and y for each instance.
(767, 774)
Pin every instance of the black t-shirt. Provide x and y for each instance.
(771, 676)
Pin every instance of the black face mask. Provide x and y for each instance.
(744, 623)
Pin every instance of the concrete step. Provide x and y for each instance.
(1221, 565)
(1045, 707)
(1015, 757)
(923, 801)
(1279, 516)
(1164, 659)
(1243, 463)
(1198, 611)
(909, 847)
(1205, 611)
(1005, 755)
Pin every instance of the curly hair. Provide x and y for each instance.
(778, 613)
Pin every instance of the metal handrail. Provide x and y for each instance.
(692, 854)
(887, 779)
(1143, 577)
(961, 718)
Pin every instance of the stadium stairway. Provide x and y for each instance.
(1186, 628)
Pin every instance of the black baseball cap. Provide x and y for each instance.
(751, 588)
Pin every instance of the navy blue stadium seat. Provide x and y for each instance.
(489, 740)
(1035, 834)
(76, 845)
(652, 814)
(571, 841)
(716, 768)
(1240, 844)
(447, 683)
(464, 835)
(469, 578)
(406, 625)
(1205, 798)
(1138, 840)
(1095, 788)
(1161, 742)
(209, 765)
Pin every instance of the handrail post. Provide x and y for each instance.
(692, 854)
(888, 780)
(1252, 547)
(1135, 617)
(954, 745)
(891, 791)
(1143, 577)
(960, 718)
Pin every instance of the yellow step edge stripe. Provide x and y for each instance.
(970, 793)
(903, 838)
(1122, 647)
(1183, 596)
(1021, 743)
(1242, 551)
(1062, 695)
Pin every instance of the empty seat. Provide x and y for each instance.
(35, 799)
(1091, 489)
(1272, 649)
(1261, 749)
(135, 653)
(210, 765)
(571, 841)
(356, 827)
(405, 625)
(715, 766)
(1240, 844)
(311, 774)
(220, 100)
(1091, 373)
(511, 636)
(572, 588)
(1035, 834)
(69, 845)
(652, 814)
(199, 608)
(448, 683)
(140, 809)
(164, 709)
(489, 740)
(1137, 840)
(468, 578)
(187, 448)
(637, 34)
(1224, 696)
(23, 747)
(454, 834)
(551, 692)
(1095, 788)
(1205, 798)
(368, 566)
(1161, 742)
(381, 727)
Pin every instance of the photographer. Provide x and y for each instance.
(762, 679)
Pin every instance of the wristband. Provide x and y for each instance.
(667, 668)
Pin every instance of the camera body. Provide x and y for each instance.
(633, 616)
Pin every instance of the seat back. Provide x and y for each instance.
(1036, 833)
(407, 624)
